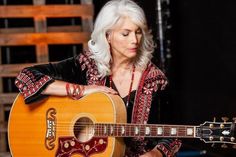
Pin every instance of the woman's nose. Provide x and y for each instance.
(134, 38)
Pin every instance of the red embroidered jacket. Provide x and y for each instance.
(82, 70)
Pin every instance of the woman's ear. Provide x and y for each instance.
(108, 36)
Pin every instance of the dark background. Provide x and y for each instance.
(201, 70)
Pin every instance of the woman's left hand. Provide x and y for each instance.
(153, 153)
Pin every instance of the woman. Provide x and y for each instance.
(117, 62)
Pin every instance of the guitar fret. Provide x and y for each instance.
(173, 131)
(147, 130)
(143, 130)
(111, 129)
(136, 130)
(160, 130)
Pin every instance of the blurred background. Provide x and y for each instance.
(196, 48)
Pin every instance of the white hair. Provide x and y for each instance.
(107, 18)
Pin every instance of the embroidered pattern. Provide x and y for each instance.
(27, 83)
(92, 71)
(152, 80)
(170, 152)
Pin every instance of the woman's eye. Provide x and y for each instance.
(125, 34)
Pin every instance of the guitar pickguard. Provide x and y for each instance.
(69, 146)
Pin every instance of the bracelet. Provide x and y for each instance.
(78, 91)
(68, 91)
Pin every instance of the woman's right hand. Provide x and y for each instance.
(88, 89)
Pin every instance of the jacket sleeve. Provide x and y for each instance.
(31, 81)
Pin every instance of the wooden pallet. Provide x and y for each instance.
(41, 36)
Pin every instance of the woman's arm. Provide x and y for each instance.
(37, 82)
(58, 88)
(32, 81)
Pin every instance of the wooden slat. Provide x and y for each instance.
(7, 98)
(54, 11)
(7, 107)
(3, 128)
(11, 70)
(5, 154)
(49, 38)
(49, 29)
(40, 23)
(42, 52)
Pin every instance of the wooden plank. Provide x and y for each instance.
(38, 2)
(3, 147)
(49, 29)
(49, 38)
(12, 70)
(87, 23)
(7, 107)
(42, 52)
(2, 115)
(5, 154)
(7, 98)
(53, 11)
(40, 23)
(3, 130)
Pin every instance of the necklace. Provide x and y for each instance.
(130, 87)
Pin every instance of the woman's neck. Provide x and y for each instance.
(121, 65)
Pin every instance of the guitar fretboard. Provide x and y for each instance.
(149, 130)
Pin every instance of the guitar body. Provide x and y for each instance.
(55, 127)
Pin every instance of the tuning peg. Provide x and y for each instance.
(225, 119)
(234, 119)
(224, 146)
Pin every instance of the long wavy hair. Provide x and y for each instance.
(107, 18)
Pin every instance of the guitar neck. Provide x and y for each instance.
(145, 130)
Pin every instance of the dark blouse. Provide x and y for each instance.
(143, 105)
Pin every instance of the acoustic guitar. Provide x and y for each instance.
(93, 126)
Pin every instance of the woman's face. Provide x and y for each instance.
(124, 39)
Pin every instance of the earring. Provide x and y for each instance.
(92, 42)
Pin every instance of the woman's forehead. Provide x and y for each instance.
(126, 23)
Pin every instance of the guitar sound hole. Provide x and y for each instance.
(84, 129)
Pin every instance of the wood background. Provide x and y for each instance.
(39, 36)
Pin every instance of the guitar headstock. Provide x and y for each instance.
(218, 132)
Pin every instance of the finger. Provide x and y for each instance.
(110, 90)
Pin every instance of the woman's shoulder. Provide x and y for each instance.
(154, 71)
(155, 77)
(84, 56)
(85, 60)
